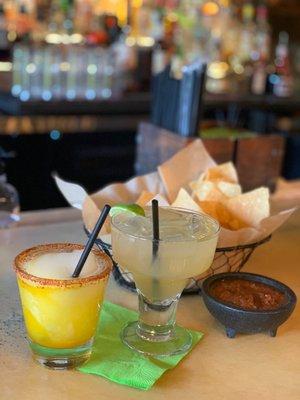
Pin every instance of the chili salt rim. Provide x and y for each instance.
(35, 251)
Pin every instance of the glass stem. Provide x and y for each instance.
(156, 320)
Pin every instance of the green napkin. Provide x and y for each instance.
(113, 360)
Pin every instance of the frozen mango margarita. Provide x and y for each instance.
(61, 312)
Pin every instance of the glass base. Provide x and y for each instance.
(177, 342)
(61, 358)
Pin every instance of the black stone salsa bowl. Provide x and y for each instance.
(239, 320)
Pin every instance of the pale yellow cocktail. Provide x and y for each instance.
(186, 249)
(61, 312)
(161, 269)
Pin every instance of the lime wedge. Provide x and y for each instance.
(132, 208)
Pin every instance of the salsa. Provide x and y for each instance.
(246, 294)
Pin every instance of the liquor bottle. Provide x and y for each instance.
(243, 59)
(144, 20)
(4, 45)
(83, 16)
(230, 35)
(55, 17)
(283, 79)
(262, 51)
(67, 10)
(259, 78)
(25, 23)
(98, 34)
(61, 16)
(247, 34)
(263, 33)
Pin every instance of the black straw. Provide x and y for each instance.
(155, 225)
(91, 241)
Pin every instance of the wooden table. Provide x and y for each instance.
(248, 367)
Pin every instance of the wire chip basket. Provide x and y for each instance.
(227, 259)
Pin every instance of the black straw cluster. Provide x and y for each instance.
(177, 104)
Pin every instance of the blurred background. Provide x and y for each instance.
(75, 82)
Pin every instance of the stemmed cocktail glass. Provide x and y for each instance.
(185, 249)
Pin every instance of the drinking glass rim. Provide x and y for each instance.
(208, 237)
(32, 252)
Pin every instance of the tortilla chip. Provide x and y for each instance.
(223, 172)
(210, 208)
(229, 189)
(194, 184)
(217, 211)
(208, 191)
(250, 208)
(234, 224)
(184, 167)
(162, 202)
(144, 198)
(184, 200)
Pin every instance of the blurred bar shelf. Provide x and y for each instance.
(138, 104)
(131, 104)
(249, 101)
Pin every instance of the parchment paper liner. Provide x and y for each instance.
(177, 172)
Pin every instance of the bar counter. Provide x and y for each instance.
(247, 367)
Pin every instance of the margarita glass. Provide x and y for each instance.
(185, 249)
